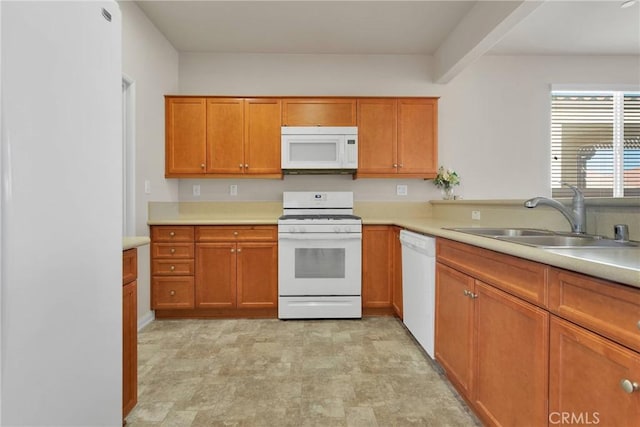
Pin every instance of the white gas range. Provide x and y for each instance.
(319, 256)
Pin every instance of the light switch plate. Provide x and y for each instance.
(475, 215)
(147, 186)
(233, 190)
(196, 190)
(401, 190)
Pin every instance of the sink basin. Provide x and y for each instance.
(559, 240)
(546, 238)
(499, 232)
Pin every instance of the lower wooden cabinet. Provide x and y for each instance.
(377, 274)
(236, 275)
(396, 268)
(129, 331)
(493, 347)
(587, 373)
(519, 358)
(214, 271)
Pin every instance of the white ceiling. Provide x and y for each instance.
(455, 32)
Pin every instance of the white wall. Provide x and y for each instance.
(152, 62)
(61, 215)
(493, 117)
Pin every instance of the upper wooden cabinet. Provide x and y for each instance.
(318, 112)
(222, 136)
(398, 137)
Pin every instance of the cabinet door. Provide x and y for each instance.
(511, 353)
(215, 281)
(396, 295)
(185, 138)
(225, 135)
(129, 347)
(376, 267)
(454, 326)
(257, 275)
(319, 112)
(377, 136)
(585, 375)
(418, 136)
(262, 136)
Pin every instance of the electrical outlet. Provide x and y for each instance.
(233, 190)
(401, 190)
(196, 190)
(147, 186)
(475, 215)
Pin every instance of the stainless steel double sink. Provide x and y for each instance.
(547, 238)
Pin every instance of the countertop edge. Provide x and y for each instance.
(130, 242)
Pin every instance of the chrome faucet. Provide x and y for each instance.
(577, 216)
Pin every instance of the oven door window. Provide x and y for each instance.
(319, 263)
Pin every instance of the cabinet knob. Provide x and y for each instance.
(638, 324)
(395, 165)
(239, 250)
(466, 293)
(172, 234)
(173, 250)
(233, 250)
(401, 165)
(201, 165)
(172, 268)
(472, 295)
(240, 165)
(235, 233)
(629, 386)
(172, 292)
(246, 166)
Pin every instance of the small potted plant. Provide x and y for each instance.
(445, 181)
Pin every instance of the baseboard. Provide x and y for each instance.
(145, 320)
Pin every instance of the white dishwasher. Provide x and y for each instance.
(419, 287)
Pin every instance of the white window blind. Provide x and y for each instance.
(595, 143)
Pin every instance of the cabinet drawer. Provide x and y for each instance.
(229, 233)
(526, 279)
(172, 293)
(172, 267)
(172, 250)
(603, 307)
(172, 233)
(319, 112)
(129, 265)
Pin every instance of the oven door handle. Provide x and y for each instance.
(319, 236)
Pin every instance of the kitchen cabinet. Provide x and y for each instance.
(595, 349)
(172, 267)
(236, 267)
(396, 269)
(319, 112)
(377, 276)
(398, 137)
(214, 271)
(489, 341)
(129, 330)
(219, 137)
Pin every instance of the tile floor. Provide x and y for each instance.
(247, 372)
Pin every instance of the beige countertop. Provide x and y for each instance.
(130, 242)
(618, 265)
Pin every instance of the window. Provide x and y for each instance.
(595, 143)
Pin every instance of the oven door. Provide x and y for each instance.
(327, 264)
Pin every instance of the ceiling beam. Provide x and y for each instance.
(480, 29)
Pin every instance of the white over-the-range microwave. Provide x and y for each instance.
(319, 148)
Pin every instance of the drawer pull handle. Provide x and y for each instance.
(235, 233)
(629, 386)
(172, 292)
(172, 234)
(172, 268)
(173, 250)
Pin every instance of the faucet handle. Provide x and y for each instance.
(576, 191)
